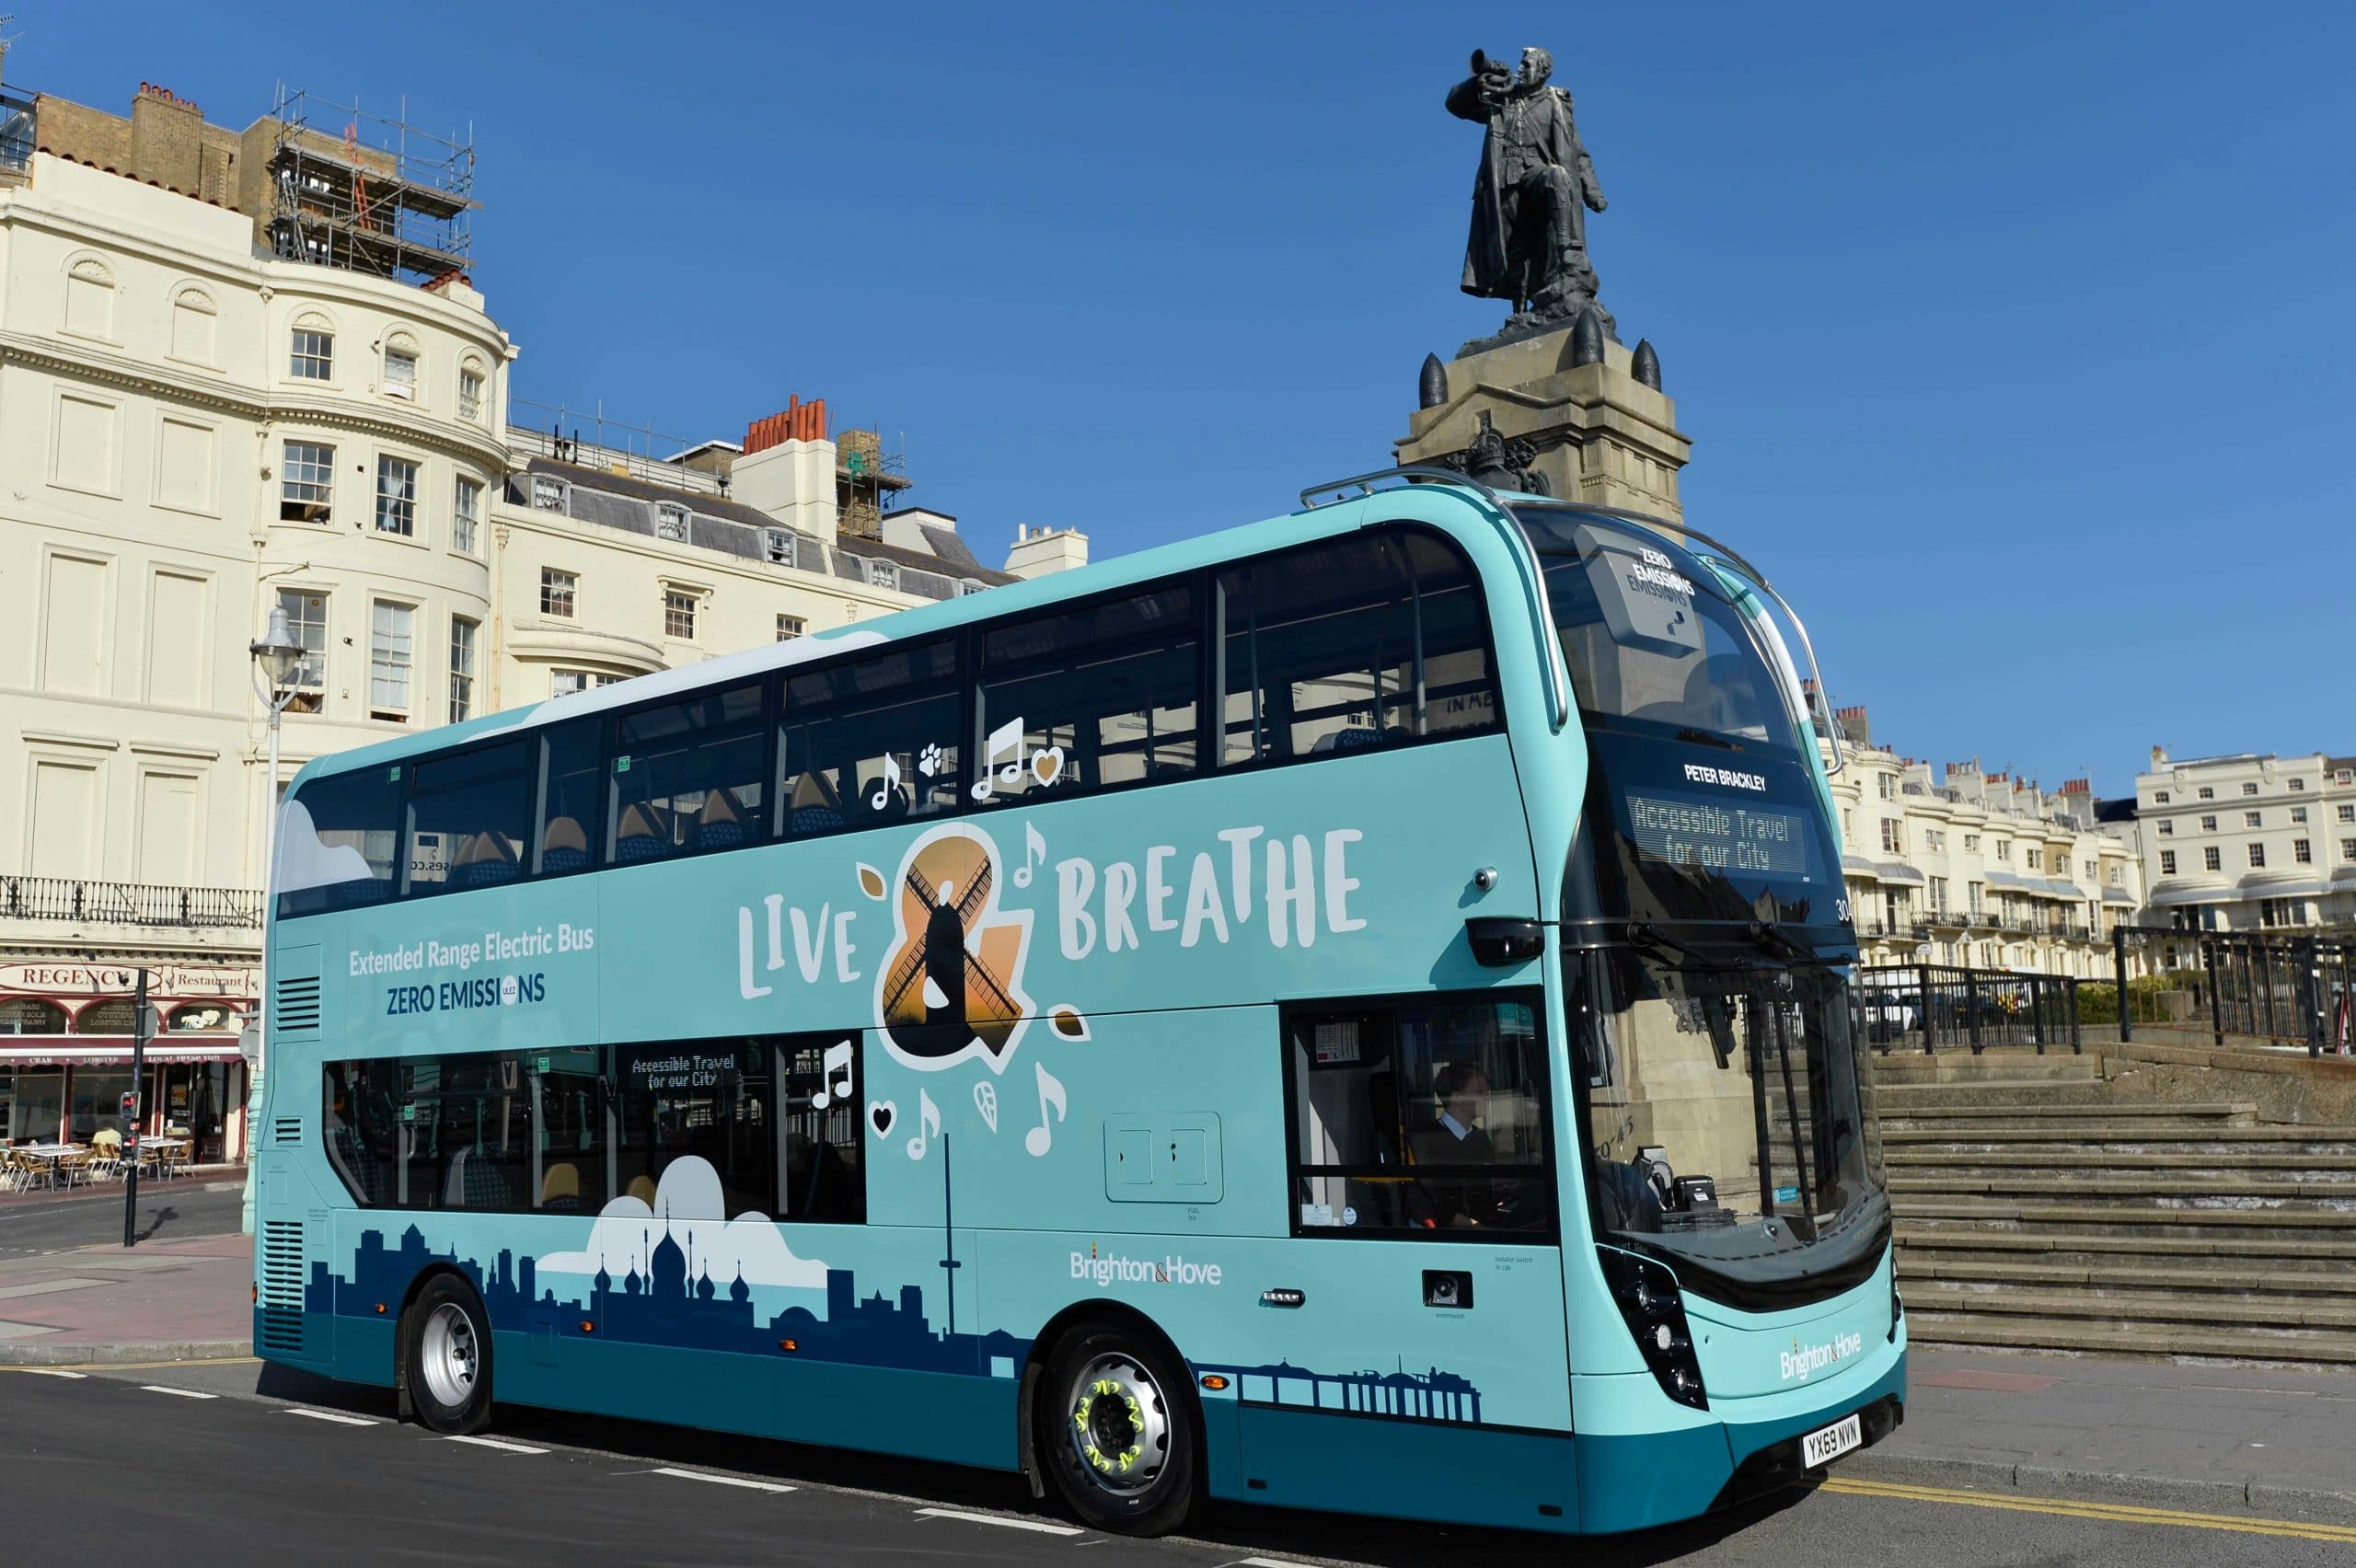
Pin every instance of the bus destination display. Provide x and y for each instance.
(1748, 837)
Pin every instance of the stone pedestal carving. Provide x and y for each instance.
(1591, 432)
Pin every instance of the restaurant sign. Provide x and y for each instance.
(121, 980)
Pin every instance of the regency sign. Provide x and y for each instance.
(62, 979)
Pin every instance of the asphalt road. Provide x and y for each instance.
(166, 1209)
(229, 1463)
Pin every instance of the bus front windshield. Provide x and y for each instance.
(1707, 948)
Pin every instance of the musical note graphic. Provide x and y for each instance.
(928, 1123)
(834, 1083)
(1035, 852)
(1041, 1138)
(887, 786)
(986, 1101)
(1006, 741)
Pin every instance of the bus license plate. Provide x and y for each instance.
(1821, 1447)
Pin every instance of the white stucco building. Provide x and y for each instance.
(2249, 842)
(239, 371)
(1959, 865)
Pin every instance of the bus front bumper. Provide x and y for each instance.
(1743, 1448)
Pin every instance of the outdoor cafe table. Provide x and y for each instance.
(52, 1155)
(165, 1150)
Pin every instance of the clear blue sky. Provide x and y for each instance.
(2015, 341)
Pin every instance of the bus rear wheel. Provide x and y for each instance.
(1116, 1431)
(445, 1358)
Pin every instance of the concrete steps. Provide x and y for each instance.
(2198, 1285)
(2041, 1205)
(2119, 1306)
(2132, 1339)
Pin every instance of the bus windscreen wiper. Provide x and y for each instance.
(1692, 736)
(1773, 938)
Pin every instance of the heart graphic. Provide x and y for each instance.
(880, 1116)
(1047, 765)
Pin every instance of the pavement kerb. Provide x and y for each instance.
(2257, 1496)
(38, 1354)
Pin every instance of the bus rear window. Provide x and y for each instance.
(338, 841)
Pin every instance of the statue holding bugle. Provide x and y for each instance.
(1535, 189)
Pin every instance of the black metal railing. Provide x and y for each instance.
(127, 904)
(19, 135)
(2283, 986)
(1933, 1007)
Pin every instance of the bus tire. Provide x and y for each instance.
(1117, 1430)
(446, 1356)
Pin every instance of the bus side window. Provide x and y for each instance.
(1422, 1118)
(467, 820)
(569, 826)
(1089, 698)
(1352, 644)
(363, 1138)
(688, 777)
(872, 742)
(339, 843)
(571, 1151)
(820, 1128)
(708, 1099)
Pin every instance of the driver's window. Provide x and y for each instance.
(1423, 1118)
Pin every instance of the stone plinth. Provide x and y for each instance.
(1600, 434)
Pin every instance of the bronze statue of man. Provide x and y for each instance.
(1530, 201)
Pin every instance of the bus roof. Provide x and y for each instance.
(1421, 501)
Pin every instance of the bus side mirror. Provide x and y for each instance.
(1499, 943)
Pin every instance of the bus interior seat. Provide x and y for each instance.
(560, 1188)
(361, 891)
(642, 1189)
(814, 820)
(476, 1181)
(639, 836)
(718, 826)
(359, 1162)
(564, 847)
(483, 860)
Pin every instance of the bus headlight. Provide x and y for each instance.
(1653, 1308)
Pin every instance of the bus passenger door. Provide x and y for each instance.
(1409, 1340)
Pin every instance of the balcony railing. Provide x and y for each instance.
(18, 137)
(127, 904)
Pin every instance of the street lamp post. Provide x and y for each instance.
(278, 659)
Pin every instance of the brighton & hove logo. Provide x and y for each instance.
(1805, 1361)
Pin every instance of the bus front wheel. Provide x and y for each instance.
(1116, 1431)
(445, 1358)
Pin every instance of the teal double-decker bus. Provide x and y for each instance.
(1352, 1012)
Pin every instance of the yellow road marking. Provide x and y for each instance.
(2108, 1513)
(137, 1365)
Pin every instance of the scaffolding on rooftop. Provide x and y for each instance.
(368, 193)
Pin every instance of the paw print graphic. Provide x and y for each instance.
(928, 760)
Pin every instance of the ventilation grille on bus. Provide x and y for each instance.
(286, 1130)
(298, 1002)
(282, 1285)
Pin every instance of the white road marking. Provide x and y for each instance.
(1039, 1525)
(1266, 1563)
(52, 1372)
(177, 1393)
(500, 1444)
(337, 1416)
(720, 1480)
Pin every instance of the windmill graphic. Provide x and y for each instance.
(952, 982)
